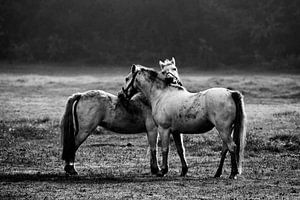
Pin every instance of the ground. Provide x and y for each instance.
(114, 166)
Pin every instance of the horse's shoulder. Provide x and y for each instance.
(140, 99)
(177, 87)
(134, 106)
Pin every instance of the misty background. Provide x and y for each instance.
(206, 34)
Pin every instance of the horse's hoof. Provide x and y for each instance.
(70, 170)
(154, 170)
(184, 171)
(160, 174)
(217, 175)
(233, 176)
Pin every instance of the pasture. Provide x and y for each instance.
(115, 166)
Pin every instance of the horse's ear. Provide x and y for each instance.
(173, 61)
(133, 68)
(161, 64)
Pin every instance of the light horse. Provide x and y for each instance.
(175, 110)
(169, 69)
(85, 111)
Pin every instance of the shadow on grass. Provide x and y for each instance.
(109, 145)
(95, 179)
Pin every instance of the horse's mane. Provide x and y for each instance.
(128, 104)
(142, 98)
(179, 87)
(154, 75)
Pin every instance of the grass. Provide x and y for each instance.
(41, 99)
(39, 128)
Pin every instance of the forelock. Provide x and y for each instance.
(167, 61)
(152, 73)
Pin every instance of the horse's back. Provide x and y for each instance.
(189, 112)
(182, 111)
(97, 107)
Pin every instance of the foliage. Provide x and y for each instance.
(206, 32)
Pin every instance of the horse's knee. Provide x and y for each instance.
(165, 150)
(152, 152)
(153, 159)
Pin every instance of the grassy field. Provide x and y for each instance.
(32, 99)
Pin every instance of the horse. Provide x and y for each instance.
(85, 111)
(169, 69)
(176, 111)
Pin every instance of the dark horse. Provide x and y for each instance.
(85, 111)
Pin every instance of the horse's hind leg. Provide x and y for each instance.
(225, 134)
(181, 152)
(223, 156)
(79, 139)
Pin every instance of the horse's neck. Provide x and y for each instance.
(153, 92)
(135, 105)
(174, 90)
(141, 98)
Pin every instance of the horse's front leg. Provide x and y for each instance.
(165, 140)
(181, 152)
(152, 140)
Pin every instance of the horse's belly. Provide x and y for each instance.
(125, 125)
(192, 126)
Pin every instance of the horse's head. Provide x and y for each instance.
(130, 88)
(169, 69)
(141, 76)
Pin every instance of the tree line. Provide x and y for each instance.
(196, 32)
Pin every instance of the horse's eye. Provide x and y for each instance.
(174, 69)
(126, 79)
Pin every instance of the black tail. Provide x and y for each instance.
(239, 133)
(68, 131)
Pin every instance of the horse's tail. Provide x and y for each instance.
(239, 133)
(68, 130)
